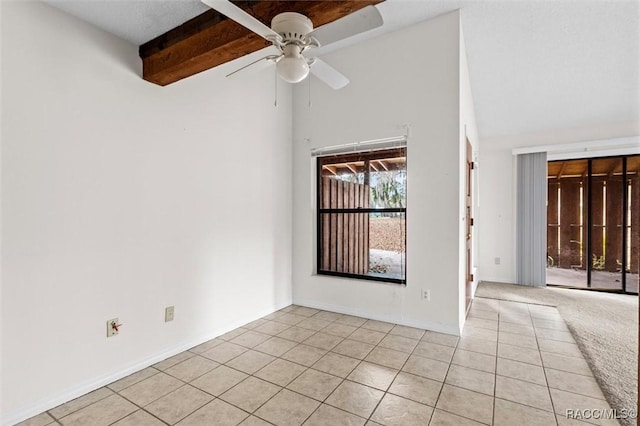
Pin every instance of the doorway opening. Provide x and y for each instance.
(593, 223)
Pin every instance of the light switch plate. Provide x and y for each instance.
(168, 313)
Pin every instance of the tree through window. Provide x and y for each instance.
(362, 215)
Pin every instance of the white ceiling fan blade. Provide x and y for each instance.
(329, 75)
(357, 22)
(232, 11)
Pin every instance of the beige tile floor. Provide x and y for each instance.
(515, 364)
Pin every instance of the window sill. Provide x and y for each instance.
(371, 277)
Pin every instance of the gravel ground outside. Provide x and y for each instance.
(387, 233)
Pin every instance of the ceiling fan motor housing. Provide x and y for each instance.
(292, 27)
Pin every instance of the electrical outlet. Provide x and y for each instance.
(168, 313)
(496, 260)
(426, 294)
(113, 327)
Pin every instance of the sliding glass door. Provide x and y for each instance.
(593, 223)
(632, 224)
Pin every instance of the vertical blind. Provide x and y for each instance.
(531, 233)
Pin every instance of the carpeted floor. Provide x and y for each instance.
(604, 325)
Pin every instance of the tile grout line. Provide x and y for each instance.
(148, 412)
(361, 361)
(396, 375)
(459, 387)
(81, 408)
(553, 409)
(480, 393)
(344, 379)
(310, 368)
(285, 387)
(435, 404)
(151, 402)
(495, 377)
(400, 370)
(252, 375)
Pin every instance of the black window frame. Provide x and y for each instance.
(355, 156)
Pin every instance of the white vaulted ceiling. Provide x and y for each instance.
(534, 65)
(137, 21)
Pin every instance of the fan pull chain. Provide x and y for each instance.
(275, 101)
(309, 78)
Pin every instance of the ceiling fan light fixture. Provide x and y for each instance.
(293, 67)
(292, 33)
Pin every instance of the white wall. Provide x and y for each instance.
(468, 130)
(496, 174)
(407, 77)
(120, 198)
(1, 286)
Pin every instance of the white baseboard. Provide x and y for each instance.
(500, 280)
(44, 404)
(427, 325)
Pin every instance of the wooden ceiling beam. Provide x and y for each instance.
(562, 167)
(612, 170)
(211, 39)
(332, 169)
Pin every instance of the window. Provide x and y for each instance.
(362, 215)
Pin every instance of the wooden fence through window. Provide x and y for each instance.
(345, 236)
(567, 220)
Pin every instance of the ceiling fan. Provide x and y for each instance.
(292, 35)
